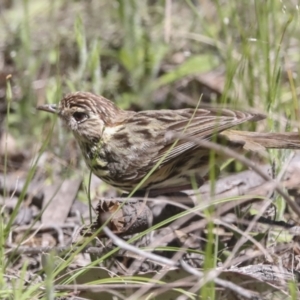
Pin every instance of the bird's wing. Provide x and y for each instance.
(199, 124)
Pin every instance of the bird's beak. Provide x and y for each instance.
(52, 108)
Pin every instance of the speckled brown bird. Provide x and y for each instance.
(122, 147)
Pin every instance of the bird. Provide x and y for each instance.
(155, 150)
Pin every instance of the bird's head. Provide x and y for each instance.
(85, 114)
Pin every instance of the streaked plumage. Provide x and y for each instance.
(121, 147)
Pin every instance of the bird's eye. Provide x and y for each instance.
(79, 116)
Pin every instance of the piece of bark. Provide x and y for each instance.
(127, 217)
(58, 200)
(267, 273)
(233, 185)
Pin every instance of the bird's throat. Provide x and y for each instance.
(94, 157)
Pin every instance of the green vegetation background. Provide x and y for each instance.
(146, 55)
(149, 54)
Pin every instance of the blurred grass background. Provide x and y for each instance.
(146, 55)
(149, 54)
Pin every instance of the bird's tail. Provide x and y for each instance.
(256, 141)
